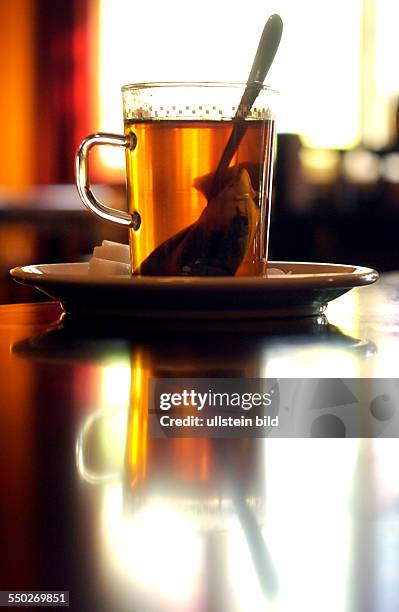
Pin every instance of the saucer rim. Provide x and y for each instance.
(346, 275)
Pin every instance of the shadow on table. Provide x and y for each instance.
(77, 339)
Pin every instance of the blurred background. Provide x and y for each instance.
(337, 164)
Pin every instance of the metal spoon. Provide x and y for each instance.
(265, 54)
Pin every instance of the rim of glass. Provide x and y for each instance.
(210, 84)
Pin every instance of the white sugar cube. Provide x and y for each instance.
(113, 251)
(275, 272)
(105, 267)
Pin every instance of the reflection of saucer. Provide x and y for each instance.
(211, 347)
(305, 291)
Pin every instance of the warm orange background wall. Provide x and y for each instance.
(17, 94)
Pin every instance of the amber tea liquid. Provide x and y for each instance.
(170, 174)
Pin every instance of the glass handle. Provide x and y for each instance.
(86, 473)
(83, 181)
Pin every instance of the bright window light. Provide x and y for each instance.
(387, 47)
(317, 68)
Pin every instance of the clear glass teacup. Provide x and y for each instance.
(199, 166)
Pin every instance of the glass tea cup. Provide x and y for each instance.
(199, 166)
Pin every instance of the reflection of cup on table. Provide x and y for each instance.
(200, 478)
(210, 481)
(193, 209)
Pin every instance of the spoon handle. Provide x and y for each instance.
(267, 49)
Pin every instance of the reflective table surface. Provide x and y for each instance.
(90, 503)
